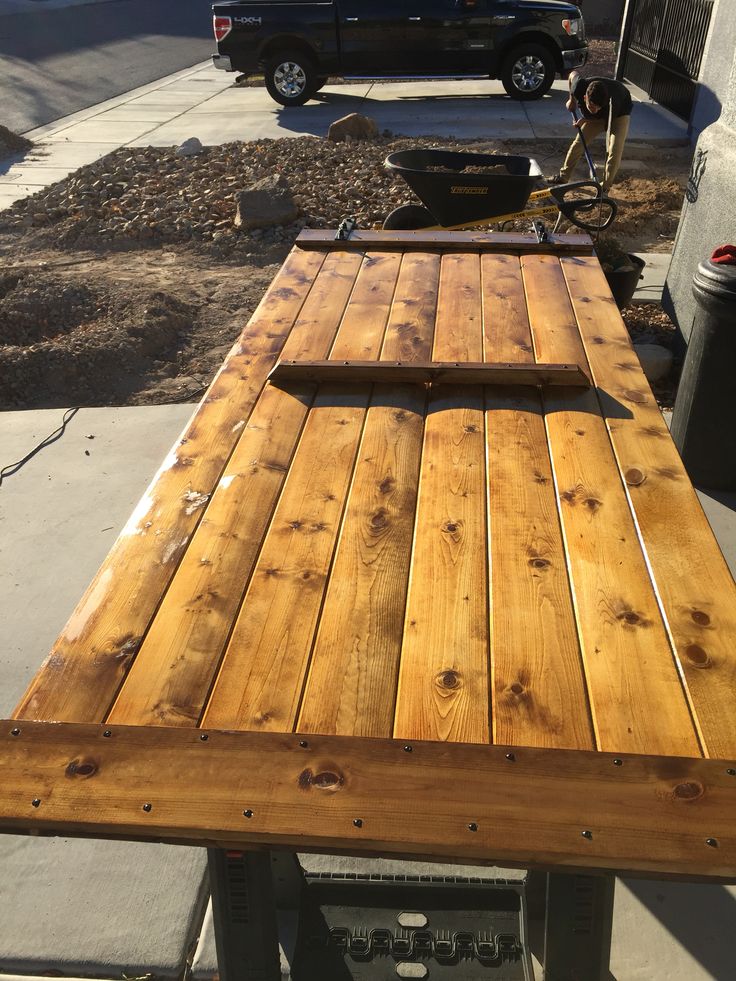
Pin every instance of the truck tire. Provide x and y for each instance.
(528, 71)
(291, 78)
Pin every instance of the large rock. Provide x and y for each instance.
(655, 360)
(190, 148)
(355, 126)
(265, 203)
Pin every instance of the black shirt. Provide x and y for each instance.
(619, 95)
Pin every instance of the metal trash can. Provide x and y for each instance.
(704, 417)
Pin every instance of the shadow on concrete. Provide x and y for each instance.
(696, 915)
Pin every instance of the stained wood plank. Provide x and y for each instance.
(506, 332)
(458, 330)
(411, 323)
(694, 584)
(628, 659)
(172, 674)
(80, 678)
(505, 242)
(653, 815)
(539, 695)
(351, 687)
(436, 372)
(367, 308)
(260, 682)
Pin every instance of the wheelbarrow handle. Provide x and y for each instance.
(591, 165)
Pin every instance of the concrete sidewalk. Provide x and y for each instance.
(203, 102)
(101, 909)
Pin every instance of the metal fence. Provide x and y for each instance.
(665, 45)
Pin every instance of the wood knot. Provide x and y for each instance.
(638, 398)
(628, 616)
(697, 656)
(701, 618)
(539, 478)
(592, 504)
(688, 791)
(517, 688)
(470, 429)
(539, 563)
(634, 477)
(401, 415)
(449, 679)
(379, 519)
(84, 767)
(328, 780)
(451, 527)
(295, 525)
(387, 485)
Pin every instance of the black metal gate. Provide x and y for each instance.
(664, 49)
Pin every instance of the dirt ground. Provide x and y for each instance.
(134, 295)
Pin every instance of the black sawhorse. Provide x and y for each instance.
(253, 891)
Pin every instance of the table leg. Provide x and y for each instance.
(577, 942)
(247, 890)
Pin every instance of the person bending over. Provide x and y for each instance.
(605, 105)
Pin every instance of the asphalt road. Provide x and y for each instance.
(55, 62)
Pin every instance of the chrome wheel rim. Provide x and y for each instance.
(290, 79)
(528, 73)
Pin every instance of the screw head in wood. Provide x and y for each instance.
(247, 813)
(107, 733)
(147, 807)
(472, 826)
(618, 762)
(204, 737)
(712, 842)
(36, 802)
(303, 743)
(358, 822)
(730, 771)
(587, 834)
(407, 748)
(15, 732)
(510, 757)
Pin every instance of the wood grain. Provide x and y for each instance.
(411, 323)
(694, 584)
(260, 682)
(80, 678)
(506, 332)
(351, 687)
(539, 695)
(653, 815)
(626, 650)
(368, 306)
(444, 672)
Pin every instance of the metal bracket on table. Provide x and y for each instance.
(345, 229)
(541, 232)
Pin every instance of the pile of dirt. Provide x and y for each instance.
(64, 340)
(10, 142)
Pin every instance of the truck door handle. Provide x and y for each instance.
(351, 19)
(415, 18)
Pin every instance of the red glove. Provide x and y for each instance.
(725, 254)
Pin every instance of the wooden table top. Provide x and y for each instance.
(481, 616)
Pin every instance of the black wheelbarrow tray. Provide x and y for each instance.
(442, 181)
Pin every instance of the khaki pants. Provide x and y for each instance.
(590, 129)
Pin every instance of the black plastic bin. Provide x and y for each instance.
(455, 197)
(704, 418)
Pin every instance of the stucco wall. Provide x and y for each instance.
(709, 213)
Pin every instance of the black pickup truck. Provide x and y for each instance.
(296, 45)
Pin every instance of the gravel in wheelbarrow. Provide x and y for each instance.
(460, 187)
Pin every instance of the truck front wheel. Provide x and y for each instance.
(528, 71)
(291, 78)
